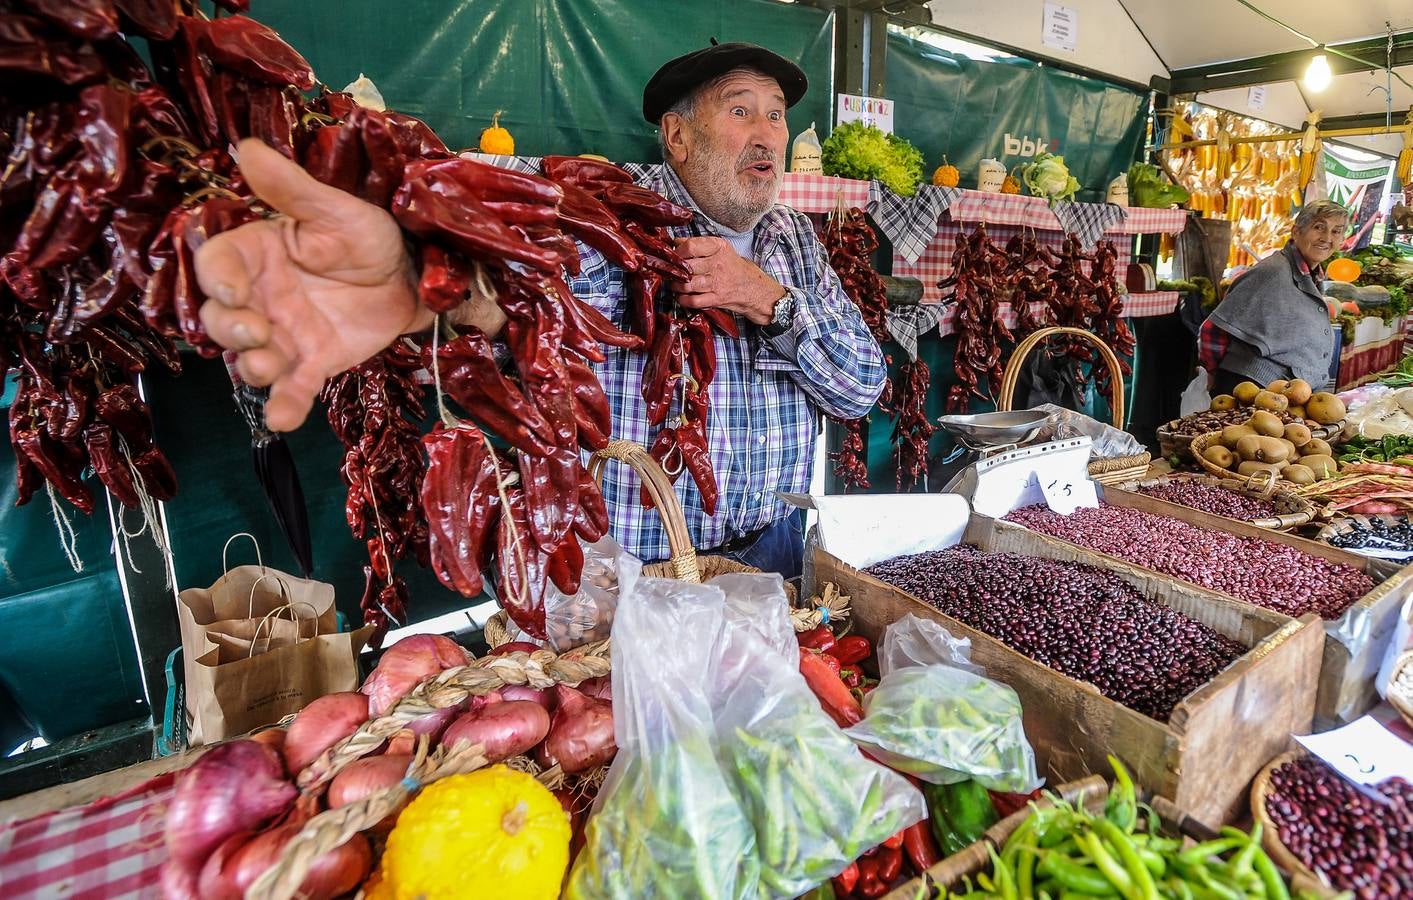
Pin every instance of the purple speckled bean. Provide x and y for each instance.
(1275, 576)
(1081, 621)
(1359, 844)
(1211, 498)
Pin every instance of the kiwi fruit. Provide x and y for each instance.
(1316, 447)
(1233, 433)
(1223, 403)
(1297, 434)
(1245, 393)
(1251, 467)
(1323, 466)
(1298, 392)
(1325, 408)
(1278, 386)
(1271, 450)
(1291, 451)
(1270, 401)
(1297, 411)
(1248, 447)
(1298, 474)
(1266, 423)
(1219, 456)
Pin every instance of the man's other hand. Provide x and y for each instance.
(723, 278)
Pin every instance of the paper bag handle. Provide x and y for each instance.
(250, 602)
(226, 566)
(267, 624)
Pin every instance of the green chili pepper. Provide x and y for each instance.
(1198, 853)
(1092, 847)
(1073, 877)
(1144, 888)
(1122, 806)
(1270, 877)
(1005, 878)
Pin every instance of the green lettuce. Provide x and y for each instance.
(1149, 187)
(1047, 176)
(863, 152)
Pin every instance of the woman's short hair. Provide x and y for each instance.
(1311, 213)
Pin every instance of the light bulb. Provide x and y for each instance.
(1318, 75)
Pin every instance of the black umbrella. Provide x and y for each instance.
(279, 479)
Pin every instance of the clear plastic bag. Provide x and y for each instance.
(911, 641)
(816, 802)
(1195, 398)
(1109, 442)
(943, 724)
(666, 823)
(574, 620)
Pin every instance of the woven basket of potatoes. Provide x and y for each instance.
(1264, 447)
(1290, 401)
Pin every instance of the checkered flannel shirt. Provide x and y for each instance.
(768, 393)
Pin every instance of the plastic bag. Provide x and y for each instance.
(666, 823)
(816, 802)
(1401, 641)
(1109, 442)
(365, 93)
(1195, 398)
(911, 641)
(574, 620)
(805, 153)
(946, 725)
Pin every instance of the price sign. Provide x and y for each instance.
(1064, 492)
(1056, 474)
(1364, 752)
(1061, 27)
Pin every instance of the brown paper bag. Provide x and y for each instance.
(228, 699)
(242, 638)
(243, 594)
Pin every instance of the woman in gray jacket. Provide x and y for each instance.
(1273, 323)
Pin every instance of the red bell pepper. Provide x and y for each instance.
(831, 662)
(850, 649)
(818, 638)
(894, 842)
(920, 846)
(871, 884)
(847, 880)
(833, 695)
(852, 676)
(890, 864)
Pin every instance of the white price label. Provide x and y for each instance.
(1256, 97)
(1023, 477)
(1065, 493)
(1364, 752)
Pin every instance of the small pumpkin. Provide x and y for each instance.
(496, 140)
(1011, 185)
(946, 175)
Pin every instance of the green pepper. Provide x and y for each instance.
(1092, 847)
(1144, 889)
(1073, 877)
(1122, 806)
(1270, 877)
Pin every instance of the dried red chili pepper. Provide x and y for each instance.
(590, 221)
(445, 280)
(30, 46)
(550, 485)
(579, 171)
(645, 206)
(460, 498)
(593, 417)
(153, 19)
(912, 428)
(697, 457)
(471, 377)
(255, 51)
(435, 204)
(521, 568)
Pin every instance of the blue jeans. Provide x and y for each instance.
(779, 548)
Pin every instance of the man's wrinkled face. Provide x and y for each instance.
(731, 151)
(1319, 239)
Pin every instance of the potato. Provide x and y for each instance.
(1266, 423)
(1271, 401)
(1298, 474)
(1219, 456)
(1316, 447)
(1233, 433)
(1298, 392)
(1297, 434)
(1245, 393)
(1223, 402)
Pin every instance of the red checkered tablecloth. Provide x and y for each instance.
(108, 850)
(817, 193)
(1034, 212)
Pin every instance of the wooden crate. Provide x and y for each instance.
(970, 861)
(1217, 738)
(1351, 661)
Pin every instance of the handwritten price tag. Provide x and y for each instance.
(1066, 493)
(1364, 752)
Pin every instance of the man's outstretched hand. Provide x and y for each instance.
(305, 296)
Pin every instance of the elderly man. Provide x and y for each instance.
(1273, 323)
(328, 285)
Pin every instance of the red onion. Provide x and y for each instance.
(405, 664)
(481, 701)
(514, 647)
(365, 777)
(245, 857)
(322, 724)
(232, 787)
(503, 729)
(274, 738)
(543, 696)
(178, 881)
(581, 736)
(600, 688)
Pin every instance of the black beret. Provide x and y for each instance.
(679, 77)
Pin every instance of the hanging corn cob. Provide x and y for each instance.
(1405, 158)
(1310, 149)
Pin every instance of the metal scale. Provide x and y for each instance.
(982, 436)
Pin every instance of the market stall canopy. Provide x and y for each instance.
(1218, 49)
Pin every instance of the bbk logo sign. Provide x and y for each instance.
(1027, 146)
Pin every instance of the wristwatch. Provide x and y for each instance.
(784, 315)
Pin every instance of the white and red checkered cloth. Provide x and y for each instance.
(110, 849)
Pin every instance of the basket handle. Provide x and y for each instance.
(659, 488)
(1013, 368)
(1255, 479)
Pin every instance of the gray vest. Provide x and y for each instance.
(1281, 324)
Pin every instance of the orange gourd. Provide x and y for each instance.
(946, 175)
(497, 140)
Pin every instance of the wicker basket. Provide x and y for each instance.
(1397, 699)
(1270, 834)
(684, 564)
(1293, 509)
(1259, 481)
(1105, 471)
(1170, 443)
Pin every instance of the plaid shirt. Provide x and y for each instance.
(767, 394)
(1213, 342)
